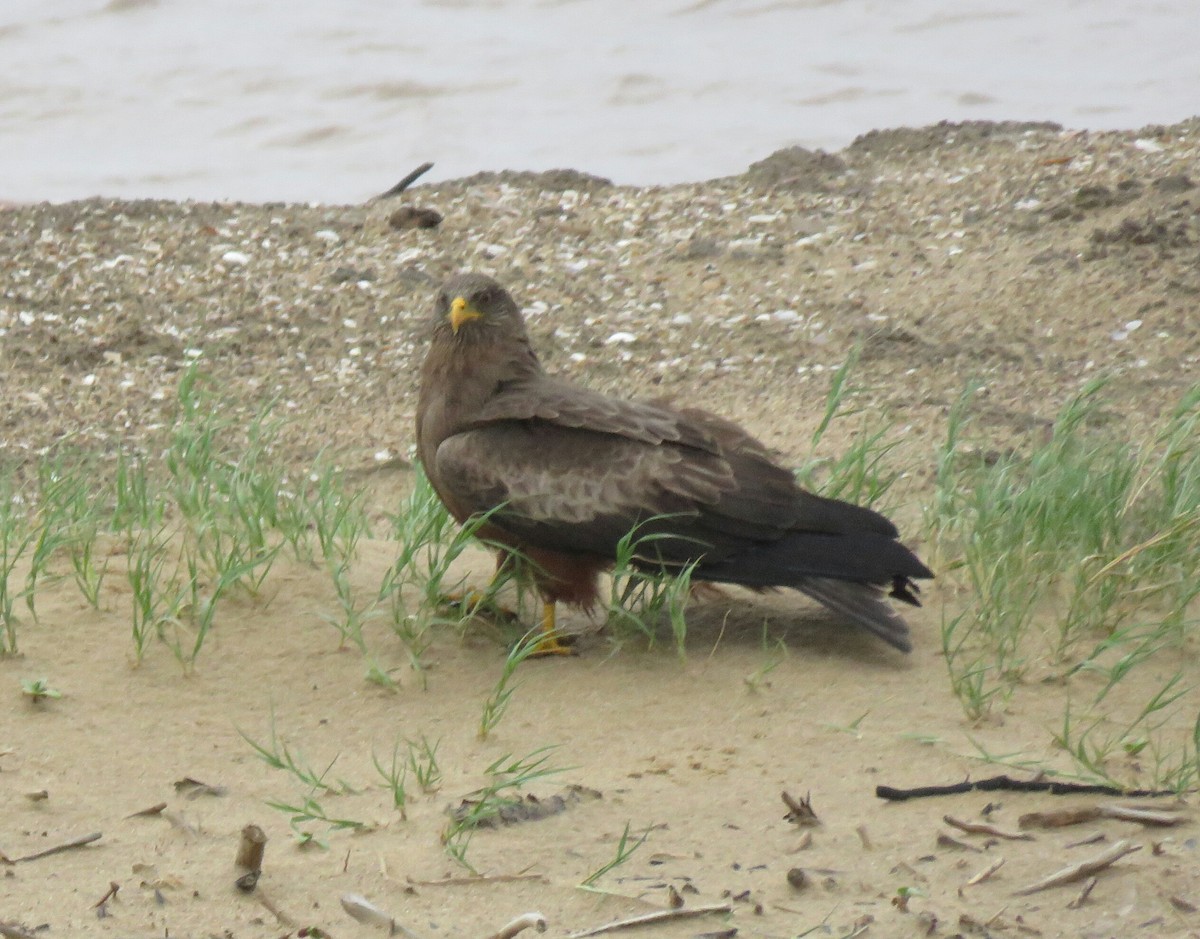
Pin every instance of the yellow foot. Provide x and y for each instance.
(551, 642)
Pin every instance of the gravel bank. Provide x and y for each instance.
(1023, 255)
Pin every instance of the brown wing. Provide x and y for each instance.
(576, 490)
(566, 405)
(575, 471)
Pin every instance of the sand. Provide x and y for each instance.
(1022, 256)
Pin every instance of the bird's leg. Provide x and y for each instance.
(471, 601)
(549, 643)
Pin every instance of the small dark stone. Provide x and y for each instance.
(1101, 197)
(344, 274)
(411, 216)
(248, 881)
(1094, 197)
(798, 879)
(699, 248)
(1147, 231)
(1177, 182)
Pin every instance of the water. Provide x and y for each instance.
(334, 100)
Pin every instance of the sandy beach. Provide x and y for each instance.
(1024, 257)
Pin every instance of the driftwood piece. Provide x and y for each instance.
(1082, 869)
(1078, 815)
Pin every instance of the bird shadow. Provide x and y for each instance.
(744, 620)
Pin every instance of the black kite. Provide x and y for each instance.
(573, 471)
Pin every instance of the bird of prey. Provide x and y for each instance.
(566, 473)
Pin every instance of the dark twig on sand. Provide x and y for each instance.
(405, 182)
(111, 892)
(1009, 784)
(66, 846)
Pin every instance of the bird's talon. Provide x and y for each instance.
(554, 644)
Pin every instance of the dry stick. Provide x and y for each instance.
(67, 846)
(1131, 813)
(658, 916)
(111, 892)
(1089, 813)
(980, 828)
(155, 809)
(520, 924)
(945, 841)
(986, 872)
(471, 881)
(1083, 894)
(405, 182)
(281, 917)
(1082, 869)
(363, 910)
(1007, 783)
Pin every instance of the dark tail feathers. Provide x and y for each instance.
(847, 573)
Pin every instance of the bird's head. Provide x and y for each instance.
(473, 307)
